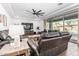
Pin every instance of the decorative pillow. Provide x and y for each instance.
(9, 39)
(3, 35)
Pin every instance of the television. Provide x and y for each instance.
(27, 26)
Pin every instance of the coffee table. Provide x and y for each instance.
(8, 50)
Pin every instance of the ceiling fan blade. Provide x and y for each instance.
(34, 10)
(37, 15)
(39, 11)
(28, 11)
(42, 13)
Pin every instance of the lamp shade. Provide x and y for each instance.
(15, 30)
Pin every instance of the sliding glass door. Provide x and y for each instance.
(71, 26)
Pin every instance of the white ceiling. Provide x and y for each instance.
(17, 10)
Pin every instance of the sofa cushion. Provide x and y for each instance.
(64, 33)
(50, 35)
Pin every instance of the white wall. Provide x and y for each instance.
(39, 24)
(36, 23)
(3, 12)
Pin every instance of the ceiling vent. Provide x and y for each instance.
(60, 3)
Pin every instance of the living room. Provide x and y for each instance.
(39, 29)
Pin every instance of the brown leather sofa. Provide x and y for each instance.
(51, 44)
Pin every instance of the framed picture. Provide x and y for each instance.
(3, 19)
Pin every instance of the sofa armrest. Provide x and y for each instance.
(2, 43)
(33, 47)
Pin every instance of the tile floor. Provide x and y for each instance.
(73, 50)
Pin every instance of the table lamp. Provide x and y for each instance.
(15, 31)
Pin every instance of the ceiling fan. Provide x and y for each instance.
(37, 13)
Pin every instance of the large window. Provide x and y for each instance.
(58, 25)
(68, 25)
(71, 26)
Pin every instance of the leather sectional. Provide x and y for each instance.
(50, 44)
